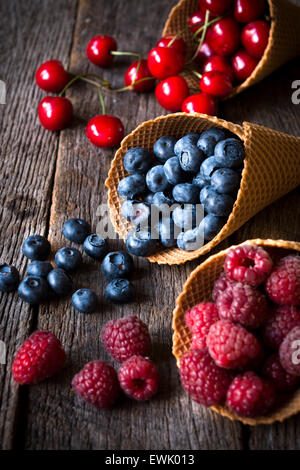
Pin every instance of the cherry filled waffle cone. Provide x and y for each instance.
(198, 288)
(283, 45)
(271, 169)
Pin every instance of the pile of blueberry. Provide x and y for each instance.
(198, 171)
(43, 280)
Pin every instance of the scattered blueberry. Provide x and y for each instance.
(120, 291)
(173, 171)
(225, 180)
(186, 193)
(229, 153)
(68, 258)
(156, 179)
(164, 148)
(190, 240)
(36, 247)
(117, 265)
(137, 160)
(211, 226)
(132, 186)
(208, 167)
(94, 246)
(137, 212)
(168, 233)
(9, 278)
(33, 290)
(141, 242)
(59, 281)
(76, 230)
(39, 268)
(199, 181)
(85, 300)
(218, 204)
(186, 216)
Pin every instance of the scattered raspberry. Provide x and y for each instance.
(243, 304)
(289, 352)
(202, 379)
(284, 318)
(250, 396)
(97, 383)
(40, 357)
(199, 319)
(221, 284)
(231, 345)
(138, 378)
(248, 263)
(283, 284)
(280, 378)
(126, 337)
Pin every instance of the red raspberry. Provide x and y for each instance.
(40, 357)
(231, 345)
(250, 396)
(283, 284)
(205, 382)
(248, 263)
(289, 352)
(97, 384)
(221, 284)
(199, 319)
(126, 337)
(275, 373)
(243, 304)
(138, 378)
(284, 318)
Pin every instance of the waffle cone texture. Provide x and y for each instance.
(283, 45)
(271, 169)
(198, 288)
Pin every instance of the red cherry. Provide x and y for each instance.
(248, 10)
(105, 130)
(196, 20)
(134, 73)
(255, 37)
(218, 63)
(199, 103)
(51, 76)
(224, 36)
(243, 65)
(171, 92)
(55, 112)
(178, 44)
(164, 62)
(218, 7)
(204, 53)
(216, 84)
(99, 50)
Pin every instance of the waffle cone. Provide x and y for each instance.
(271, 169)
(198, 288)
(284, 41)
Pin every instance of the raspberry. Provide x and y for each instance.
(284, 318)
(221, 284)
(283, 284)
(126, 337)
(275, 373)
(250, 396)
(97, 384)
(39, 357)
(289, 352)
(199, 319)
(248, 263)
(243, 304)
(231, 345)
(202, 379)
(138, 378)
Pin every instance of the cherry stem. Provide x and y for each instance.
(120, 53)
(205, 26)
(180, 33)
(210, 23)
(85, 78)
(129, 87)
(194, 72)
(101, 99)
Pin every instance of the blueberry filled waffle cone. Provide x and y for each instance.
(271, 169)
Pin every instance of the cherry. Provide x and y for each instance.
(224, 36)
(105, 130)
(170, 93)
(138, 70)
(99, 50)
(51, 76)
(199, 103)
(164, 62)
(243, 65)
(218, 63)
(218, 7)
(255, 37)
(216, 84)
(196, 20)
(204, 53)
(55, 112)
(177, 43)
(248, 10)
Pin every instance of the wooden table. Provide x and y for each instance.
(49, 177)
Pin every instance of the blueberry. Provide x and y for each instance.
(163, 201)
(208, 167)
(68, 258)
(132, 186)
(76, 230)
(137, 212)
(207, 144)
(230, 153)
(225, 180)
(137, 160)
(204, 193)
(141, 242)
(173, 171)
(168, 232)
(186, 217)
(36, 247)
(217, 133)
(33, 289)
(120, 291)
(117, 265)
(189, 155)
(189, 139)
(190, 240)
(218, 204)
(85, 300)
(94, 246)
(9, 278)
(211, 226)
(148, 197)
(186, 193)
(156, 179)
(164, 148)
(199, 181)
(39, 268)
(59, 281)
